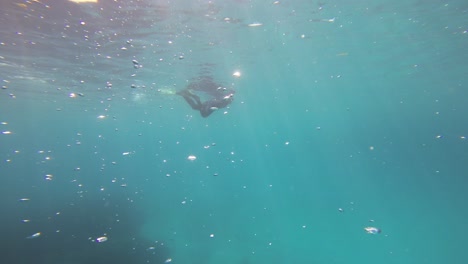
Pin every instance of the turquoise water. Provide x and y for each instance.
(346, 116)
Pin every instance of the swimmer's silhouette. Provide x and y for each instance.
(218, 97)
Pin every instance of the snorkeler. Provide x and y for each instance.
(219, 97)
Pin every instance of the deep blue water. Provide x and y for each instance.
(345, 116)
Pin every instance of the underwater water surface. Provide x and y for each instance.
(345, 141)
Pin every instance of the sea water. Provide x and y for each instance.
(346, 116)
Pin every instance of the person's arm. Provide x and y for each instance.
(208, 107)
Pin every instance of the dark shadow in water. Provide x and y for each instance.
(79, 224)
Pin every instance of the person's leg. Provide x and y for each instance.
(192, 99)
